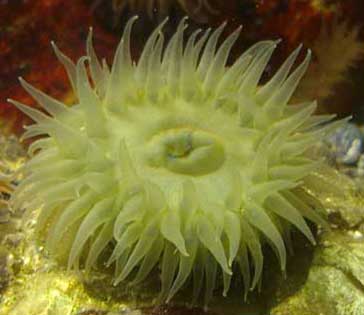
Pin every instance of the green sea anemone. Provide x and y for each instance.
(175, 161)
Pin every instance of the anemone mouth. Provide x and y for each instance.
(186, 151)
(175, 161)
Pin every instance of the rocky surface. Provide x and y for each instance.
(335, 280)
(335, 283)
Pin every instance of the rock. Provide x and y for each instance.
(56, 293)
(342, 198)
(343, 251)
(328, 291)
(346, 143)
(4, 270)
(4, 215)
(335, 283)
(43, 297)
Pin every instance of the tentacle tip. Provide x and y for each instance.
(185, 253)
(309, 54)
(22, 139)
(205, 308)
(55, 48)
(83, 59)
(284, 274)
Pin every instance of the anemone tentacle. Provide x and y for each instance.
(176, 161)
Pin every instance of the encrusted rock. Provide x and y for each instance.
(4, 271)
(335, 283)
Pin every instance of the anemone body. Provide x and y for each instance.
(177, 162)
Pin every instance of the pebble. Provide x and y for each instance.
(346, 144)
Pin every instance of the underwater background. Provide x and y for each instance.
(324, 279)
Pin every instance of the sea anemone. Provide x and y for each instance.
(175, 161)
